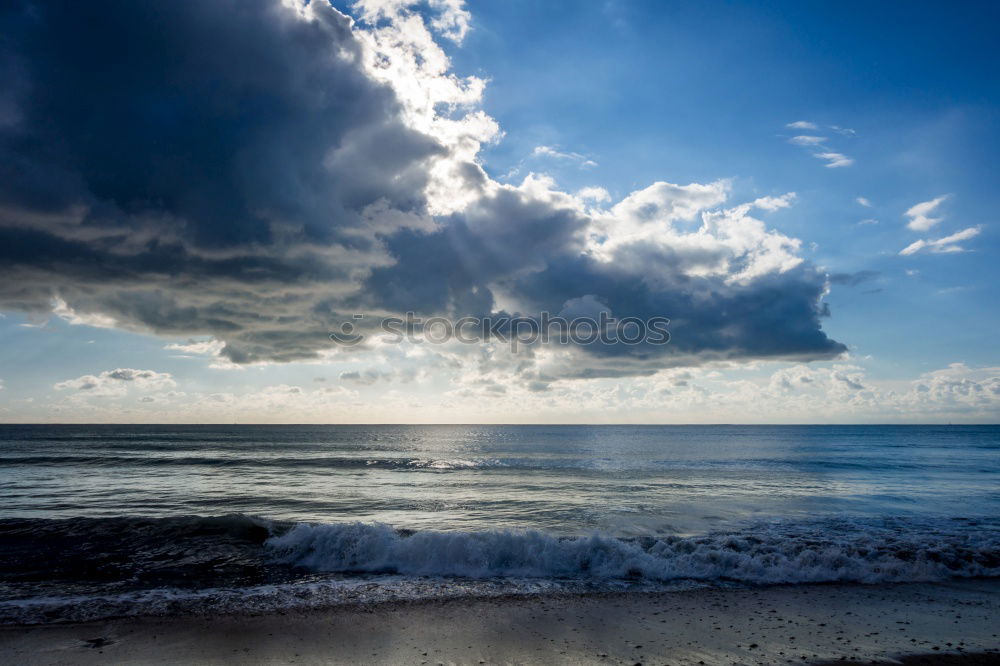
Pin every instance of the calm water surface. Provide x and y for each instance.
(564, 479)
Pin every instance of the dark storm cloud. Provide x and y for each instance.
(775, 316)
(229, 168)
(195, 167)
(502, 234)
(230, 117)
(533, 251)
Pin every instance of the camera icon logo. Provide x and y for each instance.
(346, 335)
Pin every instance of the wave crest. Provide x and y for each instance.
(772, 554)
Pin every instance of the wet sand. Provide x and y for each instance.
(947, 624)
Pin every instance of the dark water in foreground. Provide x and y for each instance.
(115, 520)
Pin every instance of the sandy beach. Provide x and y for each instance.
(943, 623)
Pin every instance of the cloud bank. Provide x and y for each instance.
(253, 172)
(837, 392)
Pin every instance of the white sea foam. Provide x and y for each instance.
(827, 552)
(357, 563)
(323, 593)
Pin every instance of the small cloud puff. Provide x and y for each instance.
(816, 142)
(942, 245)
(774, 203)
(807, 140)
(549, 151)
(920, 214)
(116, 382)
(834, 160)
(210, 347)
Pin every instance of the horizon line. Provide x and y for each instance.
(652, 425)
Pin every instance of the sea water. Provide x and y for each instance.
(99, 521)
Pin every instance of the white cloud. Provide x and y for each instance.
(834, 160)
(210, 347)
(452, 19)
(942, 245)
(841, 392)
(812, 141)
(66, 313)
(667, 202)
(867, 221)
(544, 152)
(845, 131)
(549, 151)
(597, 194)
(401, 52)
(774, 203)
(864, 202)
(957, 385)
(729, 243)
(845, 388)
(488, 383)
(118, 381)
(919, 214)
(805, 140)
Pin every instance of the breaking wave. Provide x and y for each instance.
(87, 569)
(768, 554)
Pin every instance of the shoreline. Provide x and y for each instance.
(958, 621)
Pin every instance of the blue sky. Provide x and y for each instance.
(863, 112)
(700, 91)
(695, 91)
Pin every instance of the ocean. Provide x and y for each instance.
(109, 521)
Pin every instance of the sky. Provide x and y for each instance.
(194, 196)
